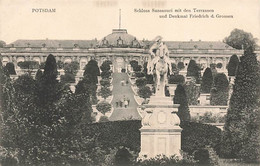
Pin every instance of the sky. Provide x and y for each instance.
(82, 19)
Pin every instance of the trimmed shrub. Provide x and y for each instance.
(103, 119)
(180, 98)
(149, 79)
(176, 79)
(123, 157)
(219, 65)
(193, 70)
(207, 81)
(206, 156)
(139, 74)
(219, 94)
(180, 65)
(105, 66)
(144, 92)
(232, 65)
(105, 74)
(105, 92)
(196, 136)
(103, 107)
(105, 82)
(28, 65)
(9, 68)
(67, 78)
(140, 82)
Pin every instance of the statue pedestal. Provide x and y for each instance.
(160, 132)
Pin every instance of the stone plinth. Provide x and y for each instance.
(160, 132)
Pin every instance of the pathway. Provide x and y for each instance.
(119, 91)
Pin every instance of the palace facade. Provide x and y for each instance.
(119, 47)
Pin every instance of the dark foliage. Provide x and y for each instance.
(219, 94)
(176, 79)
(115, 134)
(106, 74)
(141, 82)
(207, 81)
(123, 157)
(105, 66)
(240, 39)
(28, 65)
(144, 92)
(180, 98)
(180, 65)
(232, 65)
(67, 78)
(193, 70)
(139, 74)
(105, 82)
(196, 136)
(9, 69)
(92, 71)
(242, 122)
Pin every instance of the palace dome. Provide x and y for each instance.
(119, 38)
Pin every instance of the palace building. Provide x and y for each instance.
(119, 47)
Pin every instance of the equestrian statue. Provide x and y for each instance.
(159, 63)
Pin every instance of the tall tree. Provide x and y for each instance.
(219, 93)
(92, 71)
(180, 98)
(232, 65)
(193, 70)
(207, 81)
(241, 125)
(48, 91)
(240, 39)
(9, 67)
(192, 92)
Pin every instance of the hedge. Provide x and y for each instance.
(113, 134)
(197, 136)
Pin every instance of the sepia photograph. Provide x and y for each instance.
(129, 83)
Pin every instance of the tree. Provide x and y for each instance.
(192, 92)
(48, 91)
(71, 70)
(180, 65)
(240, 39)
(103, 107)
(193, 70)
(232, 65)
(241, 126)
(86, 86)
(176, 79)
(105, 92)
(105, 65)
(29, 65)
(105, 82)
(219, 94)
(141, 82)
(180, 98)
(92, 71)
(207, 81)
(9, 68)
(38, 75)
(144, 92)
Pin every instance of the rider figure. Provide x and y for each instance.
(159, 48)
